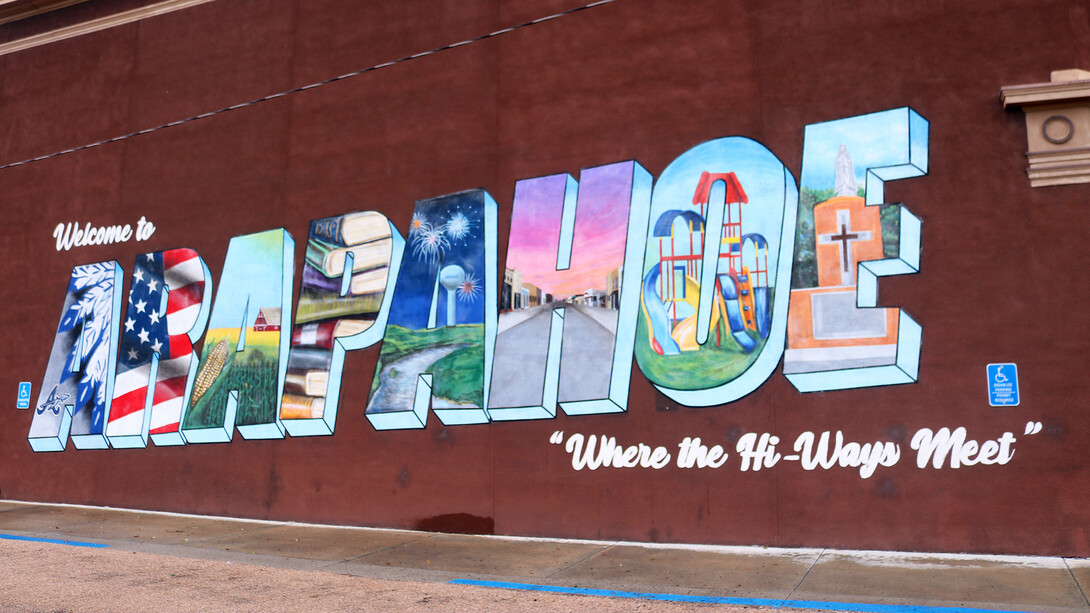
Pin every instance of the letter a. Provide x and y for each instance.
(244, 357)
(78, 384)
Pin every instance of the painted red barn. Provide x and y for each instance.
(268, 320)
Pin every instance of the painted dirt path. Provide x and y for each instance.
(396, 392)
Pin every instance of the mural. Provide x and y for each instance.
(711, 321)
(528, 286)
(169, 298)
(569, 299)
(693, 278)
(343, 305)
(437, 347)
(838, 337)
(243, 365)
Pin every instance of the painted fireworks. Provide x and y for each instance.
(433, 234)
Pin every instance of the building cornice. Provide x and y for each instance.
(1044, 93)
(95, 25)
(14, 10)
(1057, 127)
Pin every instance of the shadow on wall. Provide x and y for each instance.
(457, 523)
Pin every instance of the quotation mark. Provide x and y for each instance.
(557, 437)
(1033, 427)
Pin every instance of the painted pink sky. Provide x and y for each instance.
(601, 223)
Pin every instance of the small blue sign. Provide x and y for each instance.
(1003, 385)
(24, 395)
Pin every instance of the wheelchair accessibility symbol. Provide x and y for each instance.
(1003, 385)
(23, 402)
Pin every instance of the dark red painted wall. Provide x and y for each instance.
(1001, 278)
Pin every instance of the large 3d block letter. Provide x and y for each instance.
(169, 299)
(838, 338)
(78, 384)
(244, 358)
(713, 311)
(351, 263)
(439, 337)
(571, 293)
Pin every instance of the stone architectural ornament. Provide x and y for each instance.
(1057, 126)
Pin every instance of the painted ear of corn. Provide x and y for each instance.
(211, 369)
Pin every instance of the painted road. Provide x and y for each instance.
(522, 349)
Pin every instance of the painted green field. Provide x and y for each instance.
(251, 372)
(459, 376)
(694, 370)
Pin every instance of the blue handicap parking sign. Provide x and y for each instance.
(1003, 385)
(23, 402)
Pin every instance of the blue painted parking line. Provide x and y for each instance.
(34, 539)
(758, 602)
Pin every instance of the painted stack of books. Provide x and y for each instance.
(344, 277)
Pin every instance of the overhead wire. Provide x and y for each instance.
(301, 88)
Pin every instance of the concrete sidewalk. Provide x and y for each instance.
(847, 580)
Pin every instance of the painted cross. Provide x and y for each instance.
(844, 240)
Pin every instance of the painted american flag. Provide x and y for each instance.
(154, 328)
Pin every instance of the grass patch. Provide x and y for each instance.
(709, 367)
(458, 377)
(399, 342)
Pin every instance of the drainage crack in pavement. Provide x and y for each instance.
(1076, 580)
(791, 594)
(574, 563)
